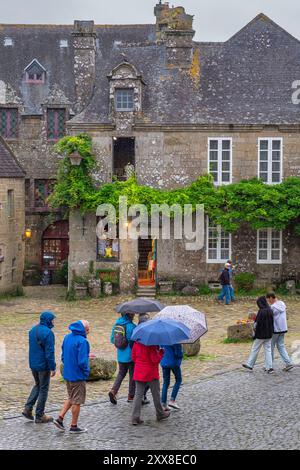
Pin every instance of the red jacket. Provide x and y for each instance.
(146, 359)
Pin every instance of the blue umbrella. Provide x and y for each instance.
(160, 331)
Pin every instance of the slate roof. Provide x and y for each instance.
(9, 167)
(245, 80)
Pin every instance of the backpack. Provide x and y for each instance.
(120, 340)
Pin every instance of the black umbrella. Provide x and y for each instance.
(140, 306)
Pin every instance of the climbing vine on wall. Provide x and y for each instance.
(249, 201)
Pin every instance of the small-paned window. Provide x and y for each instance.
(9, 123)
(56, 123)
(124, 99)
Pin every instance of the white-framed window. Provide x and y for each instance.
(220, 159)
(270, 160)
(269, 246)
(218, 249)
(124, 99)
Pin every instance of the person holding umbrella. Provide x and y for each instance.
(147, 355)
(120, 337)
(171, 362)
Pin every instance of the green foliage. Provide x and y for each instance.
(204, 290)
(60, 276)
(244, 281)
(234, 341)
(249, 201)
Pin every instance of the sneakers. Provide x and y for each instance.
(165, 407)
(247, 367)
(164, 416)
(130, 398)
(270, 371)
(59, 424)
(136, 422)
(289, 367)
(112, 397)
(27, 413)
(44, 419)
(77, 430)
(174, 405)
(145, 401)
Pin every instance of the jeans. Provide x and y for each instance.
(225, 293)
(278, 341)
(154, 386)
(258, 343)
(124, 367)
(231, 292)
(39, 393)
(178, 379)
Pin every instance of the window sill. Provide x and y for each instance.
(269, 262)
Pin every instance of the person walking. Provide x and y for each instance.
(146, 372)
(280, 329)
(142, 319)
(120, 337)
(42, 365)
(76, 370)
(225, 282)
(231, 288)
(263, 332)
(171, 362)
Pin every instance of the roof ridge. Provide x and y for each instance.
(264, 17)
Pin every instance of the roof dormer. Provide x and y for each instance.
(35, 72)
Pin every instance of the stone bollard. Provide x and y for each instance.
(192, 349)
(101, 369)
(240, 331)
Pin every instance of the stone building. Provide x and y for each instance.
(172, 107)
(12, 220)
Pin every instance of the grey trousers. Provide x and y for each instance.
(139, 394)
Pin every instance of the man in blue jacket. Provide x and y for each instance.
(75, 359)
(124, 358)
(42, 365)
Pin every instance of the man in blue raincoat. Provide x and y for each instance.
(75, 359)
(42, 365)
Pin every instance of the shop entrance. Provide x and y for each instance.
(147, 265)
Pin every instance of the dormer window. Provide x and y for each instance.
(35, 72)
(125, 89)
(124, 99)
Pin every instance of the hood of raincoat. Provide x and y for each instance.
(77, 328)
(47, 318)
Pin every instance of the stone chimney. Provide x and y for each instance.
(84, 41)
(175, 28)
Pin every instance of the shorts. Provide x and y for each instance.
(77, 392)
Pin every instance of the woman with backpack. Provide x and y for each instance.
(120, 337)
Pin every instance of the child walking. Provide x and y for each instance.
(263, 329)
(171, 362)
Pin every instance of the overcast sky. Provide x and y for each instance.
(215, 20)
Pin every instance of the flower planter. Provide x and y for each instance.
(165, 287)
(107, 288)
(95, 288)
(80, 291)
